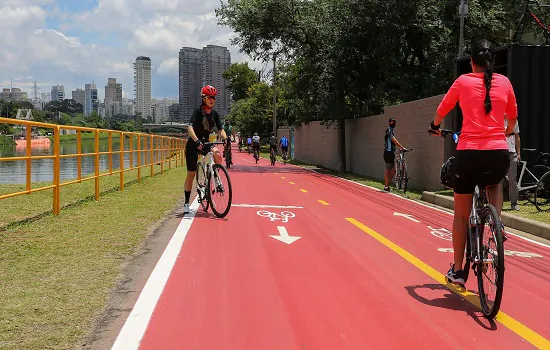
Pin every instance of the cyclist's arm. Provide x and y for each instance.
(448, 103)
(394, 140)
(190, 129)
(221, 131)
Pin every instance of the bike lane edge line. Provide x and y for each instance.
(134, 327)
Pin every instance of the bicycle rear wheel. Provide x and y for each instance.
(202, 191)
(491, 233)
(220, 185)
(228, 159)
(542, 193)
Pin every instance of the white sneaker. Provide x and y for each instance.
(186, 208)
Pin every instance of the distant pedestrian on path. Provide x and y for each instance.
(515, 157)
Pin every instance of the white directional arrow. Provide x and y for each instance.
(406, 216)
(284, 237)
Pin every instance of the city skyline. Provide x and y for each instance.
(73, 43)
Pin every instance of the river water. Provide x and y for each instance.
(14, 172)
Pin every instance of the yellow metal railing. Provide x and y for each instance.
(161, 150)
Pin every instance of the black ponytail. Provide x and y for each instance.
(482, 56)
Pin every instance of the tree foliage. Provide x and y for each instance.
(240, 77)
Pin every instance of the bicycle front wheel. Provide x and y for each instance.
(405, 178)
(202, 191)
(542, 193)
(220, 191)
(490, 271)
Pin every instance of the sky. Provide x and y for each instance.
(77, 42)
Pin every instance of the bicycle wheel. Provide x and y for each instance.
(398, 176)
(228, 159)
(542, 193)
(405, 178)
(220, 184)
(202, 192)
(490, 221)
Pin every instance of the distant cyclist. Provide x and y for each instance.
(272, 144)
(228, 131)
(389, 154)
(283, 143)
(256, 144)
(202, 122)
(249, 144)
(482, 151)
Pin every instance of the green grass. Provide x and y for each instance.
(527, 210)
(56, 273)
(6, 141)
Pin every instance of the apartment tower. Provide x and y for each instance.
(142, 85)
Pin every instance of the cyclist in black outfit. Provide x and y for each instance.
(201, 124)
(389, 154)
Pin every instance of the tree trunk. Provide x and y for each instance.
(341, 137)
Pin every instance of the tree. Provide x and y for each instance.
(253, 114)
(241, 78)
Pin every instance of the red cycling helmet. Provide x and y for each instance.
(209, 90)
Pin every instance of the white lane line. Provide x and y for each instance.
(410, 200)
(132, 332)
(265, 206)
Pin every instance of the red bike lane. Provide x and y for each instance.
(242, 283)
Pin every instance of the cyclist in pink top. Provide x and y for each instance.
(482, 152)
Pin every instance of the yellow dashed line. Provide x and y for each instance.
(282, 177)
(301, 189)
(523, 331)
(323, 202)
(292, 183)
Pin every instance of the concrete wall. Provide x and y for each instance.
(316, 144)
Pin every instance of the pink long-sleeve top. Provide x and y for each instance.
(481, 131)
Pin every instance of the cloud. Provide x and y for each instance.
(54, 42)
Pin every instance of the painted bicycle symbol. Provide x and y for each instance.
(442, 233)
(283, 216)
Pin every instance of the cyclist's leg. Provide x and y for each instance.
(497, 165)
(463, 186)
(217, 155)
(191, 157)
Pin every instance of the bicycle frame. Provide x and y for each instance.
(523, 170)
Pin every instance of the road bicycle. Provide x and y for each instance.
(481, 257)
(256, 153)
(537, 188)
(209, 182)
(402, 177)
(272, 156)
(228, 154)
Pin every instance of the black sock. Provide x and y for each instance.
(187, 195)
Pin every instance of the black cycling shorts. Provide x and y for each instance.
(192, 154)
(273, 147)
(255, 146)
(284, 148)
(473, 167)
(389, 159)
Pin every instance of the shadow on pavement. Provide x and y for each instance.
(451, 301)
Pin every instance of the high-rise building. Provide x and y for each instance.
(113, 98)
(15, 94)
(78, 95)
(190, 81)
(217, 59)
(58, 93)
(199, 67)
(91, 102)
(113, 90)
(142, 85)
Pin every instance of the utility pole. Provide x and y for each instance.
(275, 94)
(462, 11)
